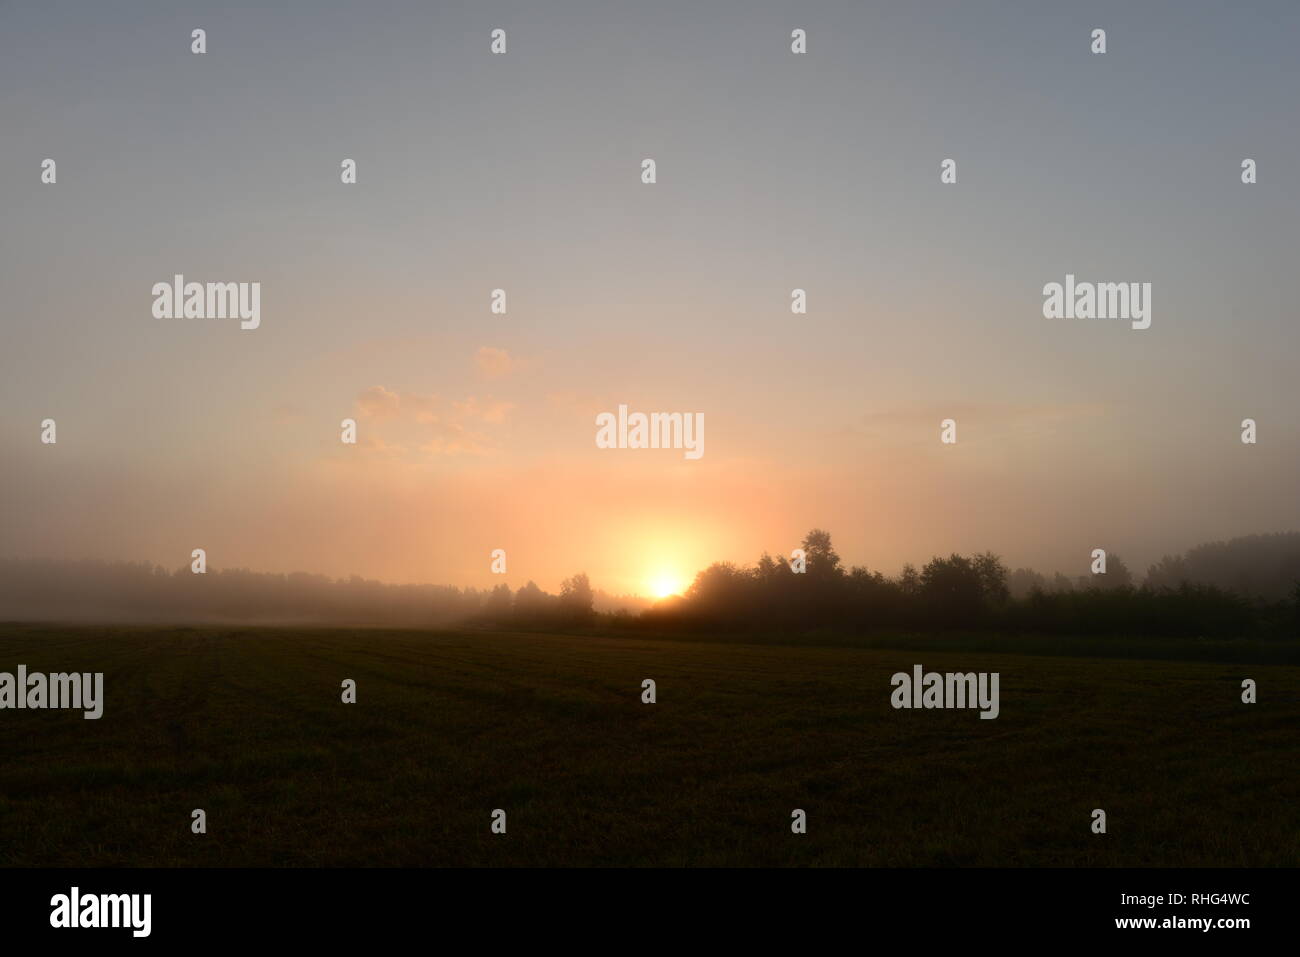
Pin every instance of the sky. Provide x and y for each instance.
(522, 171)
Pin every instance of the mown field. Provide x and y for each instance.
(247, 723)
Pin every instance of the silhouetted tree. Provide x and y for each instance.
(1263, 566)
(576, 596)
(770, 569)
(1117, 574)
(909, 581)
(953, 589)
(823, 563)
(720, 589)
(1061, 584)
(1022, 581)
(993, 578)
(532, 602)
(497, 606)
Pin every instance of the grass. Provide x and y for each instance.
(247, 723)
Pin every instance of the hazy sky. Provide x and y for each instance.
(522, 171)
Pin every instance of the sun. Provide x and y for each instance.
(662, 584)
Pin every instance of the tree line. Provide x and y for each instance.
(1246, 587)
(978, 592)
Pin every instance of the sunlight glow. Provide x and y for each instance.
(666, 583)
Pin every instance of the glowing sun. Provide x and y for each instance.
(663, 584)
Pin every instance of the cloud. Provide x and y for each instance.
(570, 401)
(415, 427)
(496, 363)
(486, 411)
(455, 439)
(377, 446)
(378, 403)
(420, 407)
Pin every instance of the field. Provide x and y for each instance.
(247, 723)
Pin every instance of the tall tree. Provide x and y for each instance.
(576, 597)
(823, 562)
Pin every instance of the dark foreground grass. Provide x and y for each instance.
(248, 725)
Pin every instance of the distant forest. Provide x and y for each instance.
(1248, 586)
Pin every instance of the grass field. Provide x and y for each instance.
(247, 724)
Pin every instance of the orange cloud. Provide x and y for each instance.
(457, 440)
(487, 411)
(414, 427)
(378, 403)
(496, 363)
